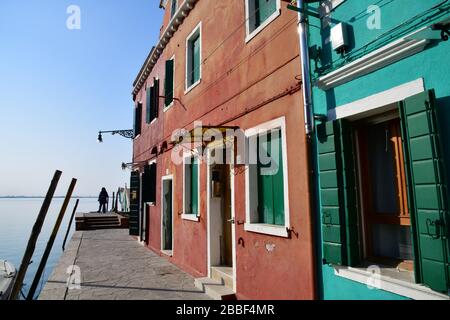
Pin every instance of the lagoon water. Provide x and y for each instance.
(17, 217)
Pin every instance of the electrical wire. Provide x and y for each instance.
(223, 75)
(390, 35)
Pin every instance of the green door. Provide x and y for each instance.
(427, 190)
(167, 215)
(134, 203)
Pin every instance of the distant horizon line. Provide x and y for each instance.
(41, 197)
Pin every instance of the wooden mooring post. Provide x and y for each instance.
(31, 246)
(50, 242)
(70, 224)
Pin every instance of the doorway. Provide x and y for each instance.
(167, 215)
(221, 223)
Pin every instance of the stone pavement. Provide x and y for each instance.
(114, 266)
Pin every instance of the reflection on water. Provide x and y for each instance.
(17, 217)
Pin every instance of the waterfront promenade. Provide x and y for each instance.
(114, 266)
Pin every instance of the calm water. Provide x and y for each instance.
(17, 217)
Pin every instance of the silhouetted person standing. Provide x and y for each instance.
(103, 199)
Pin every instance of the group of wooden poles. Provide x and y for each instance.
(26, 260)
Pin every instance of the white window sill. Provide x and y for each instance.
(190, 217)
(192, 86)
(151, 204)
(168, 253)
(153, 121)
(253, 34)
(169, 106)
(401, 287)
(137, 136)
(273, 230)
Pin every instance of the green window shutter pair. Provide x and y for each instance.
(137, 119)
(152, 102)
(148, 105)
(155, 99)
(134, 203)
(338, 193)
(427, 189)
(168, 86)
(149, 183)
(270, 180)
(195, 60)
(263, 10)
(194, 185)
(173, 8)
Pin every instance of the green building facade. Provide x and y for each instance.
(381, 97)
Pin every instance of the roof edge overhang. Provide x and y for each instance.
(178, 18)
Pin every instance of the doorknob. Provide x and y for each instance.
(231, 221)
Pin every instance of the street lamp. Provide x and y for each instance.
(124, 133)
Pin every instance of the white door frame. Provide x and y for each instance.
(164, 178)
(208, 206)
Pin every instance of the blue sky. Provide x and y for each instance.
(59, 87)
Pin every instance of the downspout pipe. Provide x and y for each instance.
(306, 76)
(309, 130)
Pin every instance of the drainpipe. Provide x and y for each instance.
(306, 78)
(309, 130)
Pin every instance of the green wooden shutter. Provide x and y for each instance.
(168, 88)
(194, 186)
(278, 181)
(270, 182)
(148, 106)
(338, 193)
(137, 119)
(153, 183)
(195, 60)
(134, 203)
(155, 98)
(427, 189)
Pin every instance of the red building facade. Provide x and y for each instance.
(226, 65)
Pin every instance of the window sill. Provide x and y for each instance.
(192, 86)
(137, 136)
(151, 204)
(273, 230)
(169, 106)
(190, 217)
(401, 287)
(255, 32)
(152, 122)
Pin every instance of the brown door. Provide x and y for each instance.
(384, 195)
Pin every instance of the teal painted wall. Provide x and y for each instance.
(432, 65)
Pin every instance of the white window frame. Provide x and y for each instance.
(275, 230)
(251, 34)
(197, 30)
(188, 215)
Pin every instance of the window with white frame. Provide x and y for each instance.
(259, 14)
(267, 207)
(191, 185)
(193, 58)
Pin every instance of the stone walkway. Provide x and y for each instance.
(114, 266)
